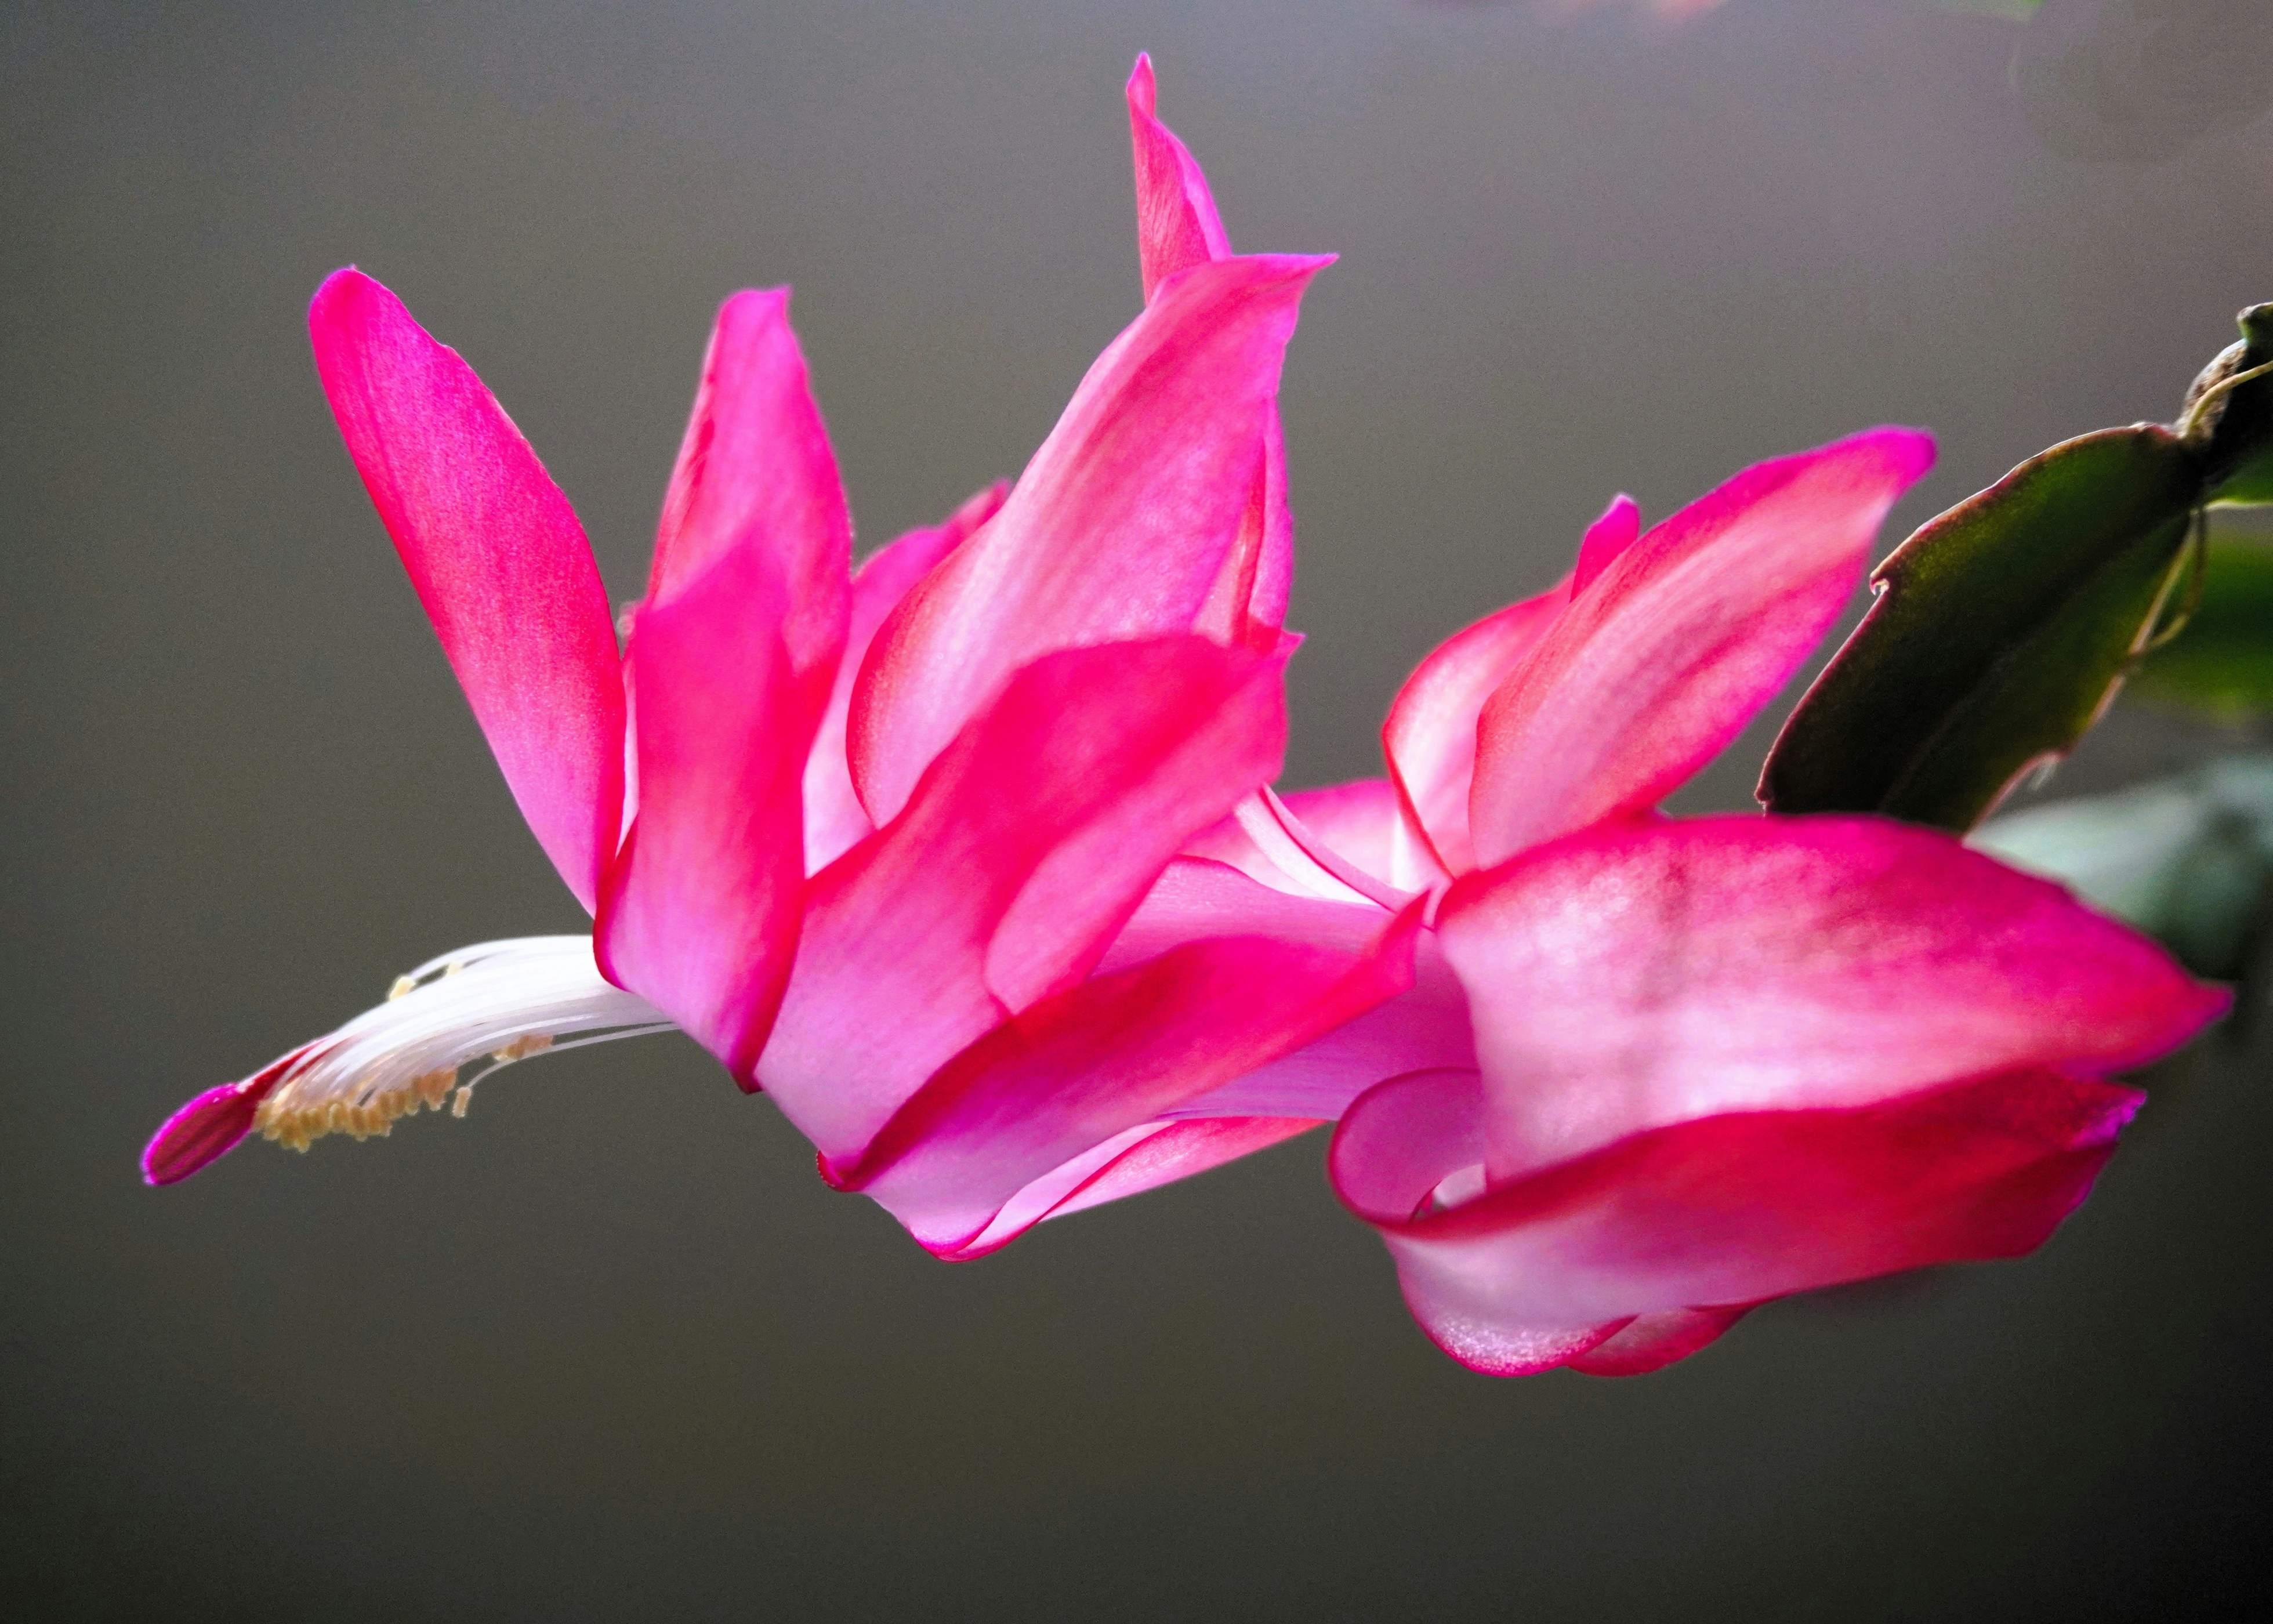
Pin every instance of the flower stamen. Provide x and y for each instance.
(504, 1001)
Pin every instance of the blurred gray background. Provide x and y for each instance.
(608, 1349)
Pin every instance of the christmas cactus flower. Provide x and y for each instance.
(1654, 1071)
(866, 838)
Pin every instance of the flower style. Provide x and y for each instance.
(865, 837)
(1655, 1071)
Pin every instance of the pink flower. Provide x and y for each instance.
(866, 838)
(970, 1127)
(1652, 1072)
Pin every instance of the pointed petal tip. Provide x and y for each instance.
(1142, 87)
(1261, 269)
(201, 1132)
(1912, 451)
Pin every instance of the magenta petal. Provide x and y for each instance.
(835, 821)
(1359, 821)
(1177, 225)
(498, 559)
(1608, 536)
(1425, 1024)
(1177, 228)
(1248, 603)
(1118, 529)
(1430, 739)
(1637, 974)
(755, 468)
(1022, 852)
(1178, 1148)
(1274, 570)
(1266, 841)
(1197, 897)
(1680, 640)
(1104, 1057)
(1158, 1152)
(1555, 1266)
(700, 913)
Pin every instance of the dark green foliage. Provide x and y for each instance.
(2000, 629)
(2003, 627)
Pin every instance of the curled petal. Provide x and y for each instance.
(1177, 228)
(1430, 738)
(498, 559)
(755, 470)
(1652, 1342)
(1022, 853)
(1118, 529)
(1105, 1058)
(1637, 974)
(835, 821)
(1177, 225)
(1424, 1024)
(1169, 1150)
(1259, 839)
(1248, 603)
(700, 914)
(1639, 1252)
(1680, 640)
(1361, 822)
(1608, 536)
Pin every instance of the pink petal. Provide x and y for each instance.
(835, 821)
(1560, 1265)
(700, 913)
(210, 1126)
(1360, 822)
(1248, 603)
(1652, 1342)
(1680, 640)
(1426, 1024)
(1266, 838)
(1257, 840)
(1180, 1148)
(1274, 575)
(1430, 739)
(1146, 1157)
(1117, 529)
(756, 467)
(1105, 1057)
(1024, 851)
(1606, 538)
(1637, 974)
(1177, 226)
(1195, 897)
(498, 559)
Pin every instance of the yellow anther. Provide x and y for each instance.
(522, 1048)
(402, 984)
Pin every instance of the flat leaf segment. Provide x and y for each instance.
(2003, 627)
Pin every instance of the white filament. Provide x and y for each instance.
(506, 1000)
